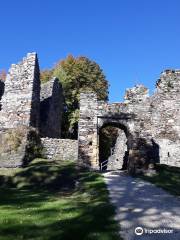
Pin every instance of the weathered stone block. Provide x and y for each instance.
(60, 149)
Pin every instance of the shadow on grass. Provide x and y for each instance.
(167, 177)
(55, 201)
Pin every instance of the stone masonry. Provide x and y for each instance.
(51, 109)
(151, 123)
(23, 117)
(21, 99)
(87, 132)
(28, 114)
(118, 153)
(19, 115)
(60, 149)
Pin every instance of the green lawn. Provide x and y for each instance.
(167, 178)
(52, 201)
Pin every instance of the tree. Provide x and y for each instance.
(78, 75)
(46, 75)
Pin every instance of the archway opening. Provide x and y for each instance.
(113, 147)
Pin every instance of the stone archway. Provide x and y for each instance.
(94, 115)
(113, 147)
(134, 119)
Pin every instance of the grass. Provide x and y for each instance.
(167, 177)
(48, 201)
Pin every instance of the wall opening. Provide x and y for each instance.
(113, 148)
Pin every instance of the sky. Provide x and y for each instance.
(133, 41)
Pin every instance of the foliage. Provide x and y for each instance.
(77, 75)
(48, 201)
(21, 140)
(12, 139)
(46, 75)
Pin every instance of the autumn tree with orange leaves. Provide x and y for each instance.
(77, 74)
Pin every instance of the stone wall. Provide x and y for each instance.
(151, 123)
(87, 130)
(165, 117)
(60, 149)
(136, 94)
(19, 115)
(21, 99)
(51, 109)
(18, 146)
(23, 117)
(118, 153)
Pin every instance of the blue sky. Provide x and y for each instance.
(132, 40)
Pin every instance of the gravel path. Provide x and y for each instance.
(141, 204)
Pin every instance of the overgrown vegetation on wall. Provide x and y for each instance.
(19, 146)
(11, 140)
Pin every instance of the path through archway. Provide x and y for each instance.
(113, 149)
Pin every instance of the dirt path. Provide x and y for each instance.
(141, 204)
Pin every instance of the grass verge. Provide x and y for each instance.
(48, 201)
(167, 177)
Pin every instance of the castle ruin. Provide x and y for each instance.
(149, 126)
(30, 116)
(151, 123)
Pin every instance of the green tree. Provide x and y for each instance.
(78, 75)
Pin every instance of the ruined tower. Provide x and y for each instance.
(19, 115)
(21, 99)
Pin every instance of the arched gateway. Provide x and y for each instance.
(113, 146)
(95, 115)
(151, 124)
